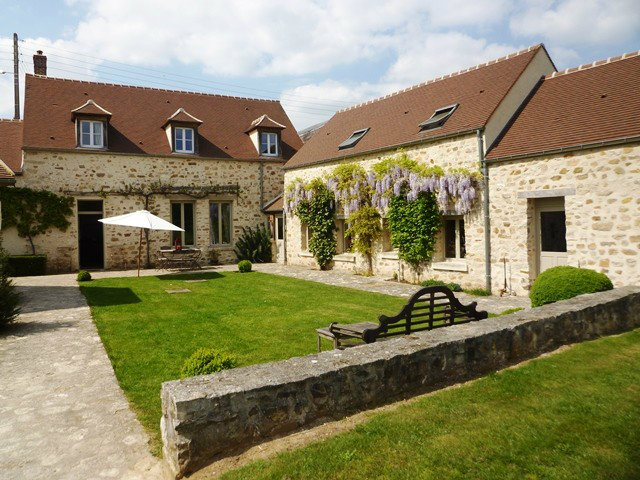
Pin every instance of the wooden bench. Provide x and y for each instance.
(428, 308)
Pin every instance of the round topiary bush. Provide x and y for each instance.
(244, 266)
(561, 283)
(83, 276)
(205, 361)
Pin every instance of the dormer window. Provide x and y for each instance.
(184, 140)
(91, 134)
(353, 139)
(265, 134)
(91, 125)
(269, 144)
(182, 132)
(438, 118)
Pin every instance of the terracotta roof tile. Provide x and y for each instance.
(265, 122)
(393, 120)
(584, 105)
(139, 113)
(91, 108)
(275, 206)
(11, 144)
(181, 115)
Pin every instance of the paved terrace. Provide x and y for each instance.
(62, 412)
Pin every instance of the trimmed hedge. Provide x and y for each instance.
(83, 276)
(244, 266)
(432, 282)
(564, 282)
(26, 265)
(205, 361)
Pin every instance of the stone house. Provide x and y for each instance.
(565, 177)
(208, 163)
(446, 122)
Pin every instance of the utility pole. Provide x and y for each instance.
(16, 78)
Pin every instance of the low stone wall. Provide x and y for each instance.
(209, 416)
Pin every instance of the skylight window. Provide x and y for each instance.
(438, 118)
(353, 139)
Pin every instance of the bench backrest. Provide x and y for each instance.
(428, 308)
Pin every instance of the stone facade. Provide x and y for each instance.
(459, 152)
(212, 415)
(84, 174)
(600, 189)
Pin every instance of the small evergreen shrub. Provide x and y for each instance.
(254, 245)
(9, 301)
(205, 361)
(244, 266)
(26, 265)
(433, 282)
(83, 276)
(561, 283)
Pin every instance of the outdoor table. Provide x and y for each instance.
(186, 258)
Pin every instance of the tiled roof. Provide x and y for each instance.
(90, 108)
(393, 120)
(275, 206)
(11, 145)
(265, 122)
(139, 113)
(181, 115)
(592, 103)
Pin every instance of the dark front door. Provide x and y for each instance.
(90, 234)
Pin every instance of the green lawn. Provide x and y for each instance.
(572, 415)
(148, 333)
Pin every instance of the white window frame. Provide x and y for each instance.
(305, 236)
(458, 220)
(92, 133)
(272, 140)
(182, 223)
(181, 132)
(219, 203)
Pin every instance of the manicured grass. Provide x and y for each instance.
(257, 317)
(572, 415)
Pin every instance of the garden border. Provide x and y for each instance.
(210, 416)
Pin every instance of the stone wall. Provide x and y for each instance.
(61, 172)
(209, 416)
(601, 189)
(460, 152)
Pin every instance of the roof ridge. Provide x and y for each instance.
(124, 85)
(444, 77)
(596, 63)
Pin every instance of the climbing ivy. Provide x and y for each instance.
(365, 228)
(414, 226)
(318, 213)
(33, 212)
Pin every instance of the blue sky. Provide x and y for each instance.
(315, 56)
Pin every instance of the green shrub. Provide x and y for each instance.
(26, 265)
(561, 283)
(433, 282)
(9, 301)
(254, 245)
(244, 266)
(205, 361)
(477, 292)
(83, 276)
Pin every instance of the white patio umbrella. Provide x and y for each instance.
(141, 219)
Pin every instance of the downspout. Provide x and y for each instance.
(485, 211)
(284, 235)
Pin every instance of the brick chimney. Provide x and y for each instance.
(40, 63)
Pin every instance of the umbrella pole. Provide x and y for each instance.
(139, 251)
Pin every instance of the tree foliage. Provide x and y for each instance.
(33, 212)
(414, 226)
(365, 228)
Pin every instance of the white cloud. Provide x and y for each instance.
(578, 22)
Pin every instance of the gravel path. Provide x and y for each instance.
(62, 413)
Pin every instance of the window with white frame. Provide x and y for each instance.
(386, 236)
(182, 216)
(183, 140)
(220, 223)
(305, 235)
(91, 134)
(454, 238)
(343, 241)
(269, 144)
